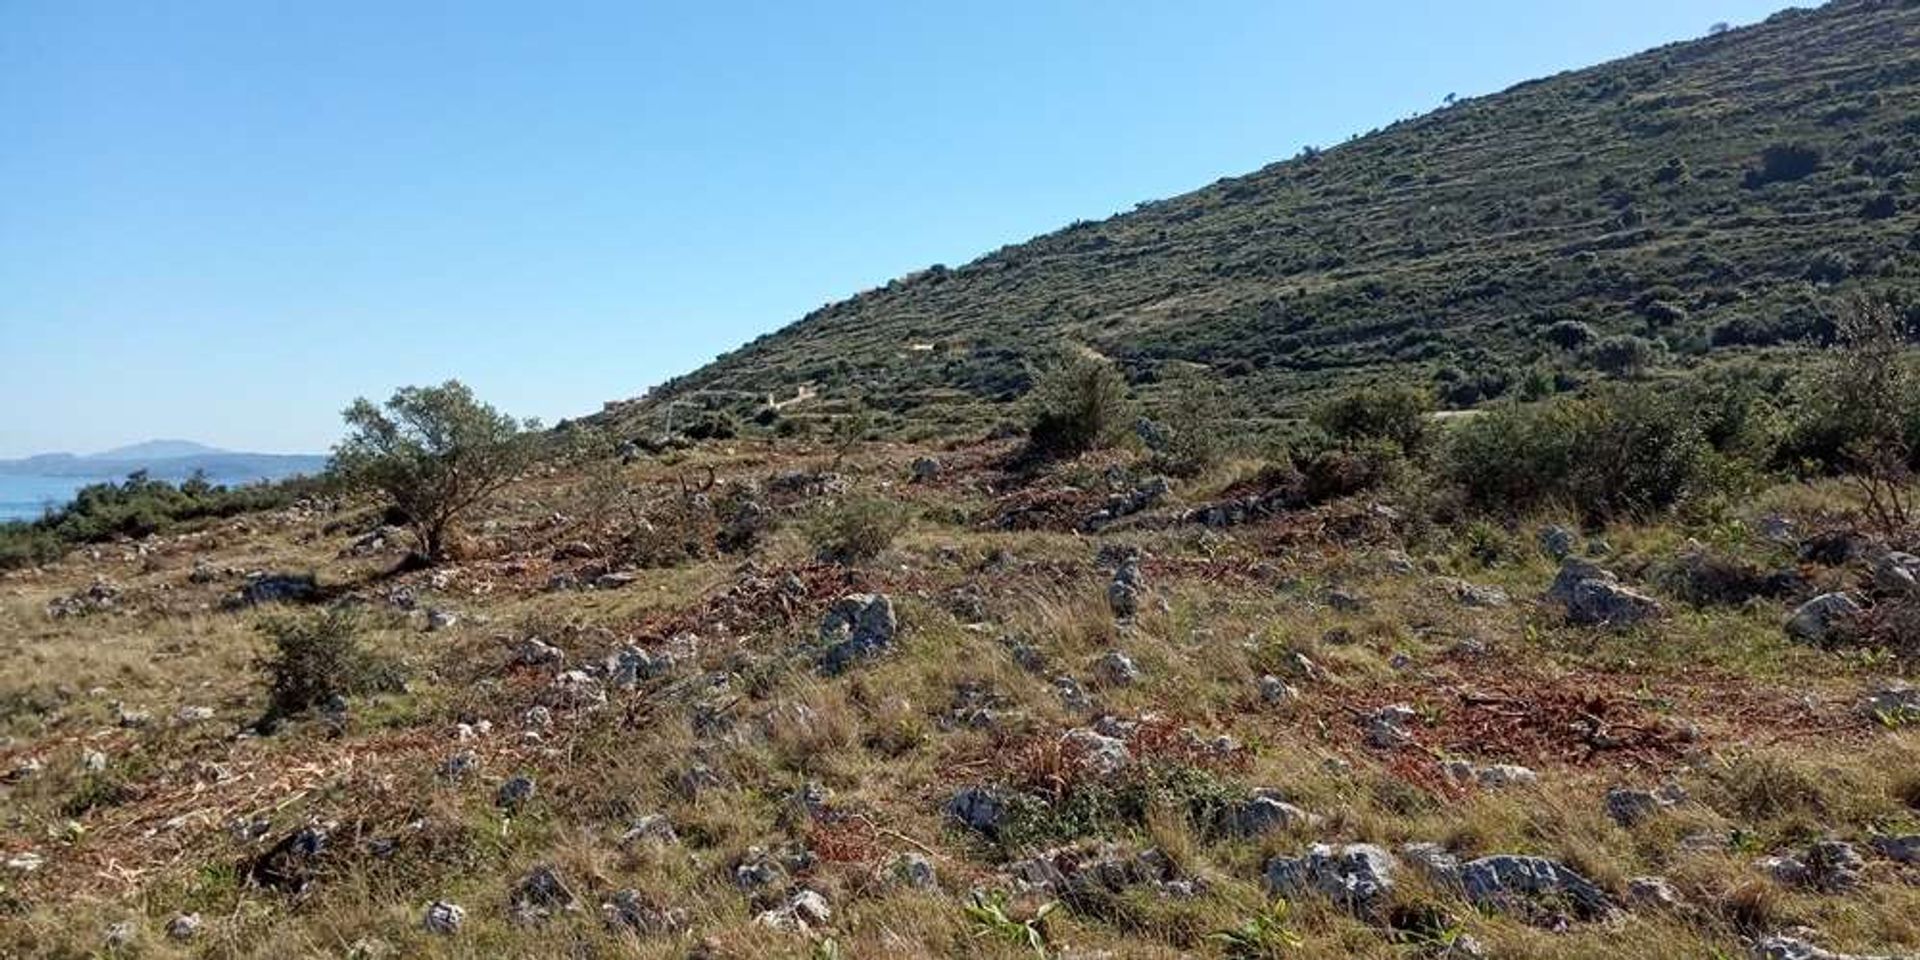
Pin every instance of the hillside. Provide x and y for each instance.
(1715, 195)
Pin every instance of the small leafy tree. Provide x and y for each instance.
(1079, 405)
(436, 452)
(1396, 413)
(1871, 378)
(1624, 355)
(317, 657)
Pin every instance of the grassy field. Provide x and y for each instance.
(776, 777)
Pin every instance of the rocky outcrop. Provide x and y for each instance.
(856, 628)
(1593, 596)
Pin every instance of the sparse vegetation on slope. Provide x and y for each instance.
(1708, 200)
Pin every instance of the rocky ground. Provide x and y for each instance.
(1083, 712)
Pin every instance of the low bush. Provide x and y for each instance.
(1079, 405)
(1626, 450)
(316, 657)
(1396, 414)
(137, 507)
(857, 528)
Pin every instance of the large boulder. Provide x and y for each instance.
(1358, 876)
(979, 807)
(857, 627)
(1509, 881)
(1126, 590)
(1822, 619)
(1592, 595)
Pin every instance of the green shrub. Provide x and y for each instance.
(316, 657)
(1079, 405)
(1624, 355)
(1196, 434)
(138, 506)
(1626, 450)
(1396, 413)
(436, 453)
(1784, 162)
(1354, 468)
(857, 528)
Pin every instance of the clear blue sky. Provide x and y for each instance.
(224, 220)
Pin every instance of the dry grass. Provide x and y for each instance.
(1779, 758)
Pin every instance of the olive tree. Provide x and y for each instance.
(436, 453)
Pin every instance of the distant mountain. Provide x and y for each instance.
(1719, 197)
(167, 460)
(158, 450)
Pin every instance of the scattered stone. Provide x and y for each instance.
(616, 579)
(757, 868)
(1628, 806)
(1904, 848)
(93, 761)
(1398, 562)
(290, 864)
(183, 927)
(438, 619)
(132, 719)
(979, 807)
(1304, 666)
(1791, 871)
(536, 717)
(192, 714)
(630, 665)
(535, 652)
(1115, 669)
(1823, 619)
(1265, 812)
(1653, 892)
(459, 766)
(538, 895)
(1440, 866)
(1497, 776)
(1072, 695)
(1793, 948)
(574, 690)
(25, 862)
(99, 597)
(1126, 590)
(1128, 503)
(697, 779)
(23, 771)
(1508, 881)
(1358, 876)
(122, 935)
(1472, 594)
(1275, 691)
(1345, 601)
(925, 469)
(277, 588)
(444, 918)
(631, 912)
(1102, 754)
(857, 627)
(1834, 866)
(913, 871)
(1594, 596)
(1557, 541)
(652, 828)
(1894, 702)
(514, 793)
(1387, 726)
(803, 913)
(1897, 575)
(1777, 529)
(1082, 872)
